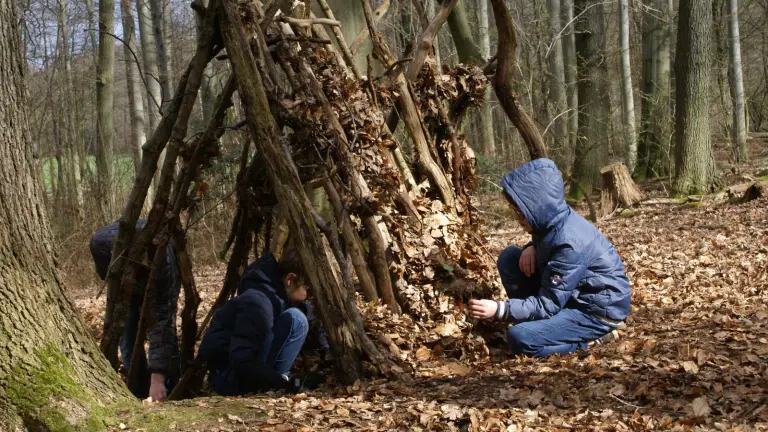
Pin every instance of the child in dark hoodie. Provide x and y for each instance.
(254, 338)
(567, 288)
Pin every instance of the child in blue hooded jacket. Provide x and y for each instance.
(567, 288)
(256, 336)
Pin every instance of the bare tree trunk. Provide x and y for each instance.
(557, 89)
(570, 70)
(659, 159)
(594, 108)
(149, 61)
(160, 15)
(105, 125)
(74, 186)
(694, 159)
(487, 137)
(466, 47)
(737, 84)
(133, 81)
(93, 31)
(43, 337)
(627, 100)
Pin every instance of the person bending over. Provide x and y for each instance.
(156, 376)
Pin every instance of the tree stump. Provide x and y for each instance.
(618, 188)
(754, 191)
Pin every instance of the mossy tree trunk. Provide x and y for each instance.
(50, 368)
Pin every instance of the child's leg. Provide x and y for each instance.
(517, 284)
(566, 332)
(288, 336)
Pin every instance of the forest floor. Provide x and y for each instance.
(693, 356)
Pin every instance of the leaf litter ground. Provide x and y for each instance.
(692, 357)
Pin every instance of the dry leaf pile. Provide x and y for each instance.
(436, 253)
(692, 357)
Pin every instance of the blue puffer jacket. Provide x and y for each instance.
(578, 265)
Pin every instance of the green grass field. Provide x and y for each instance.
(123, 171)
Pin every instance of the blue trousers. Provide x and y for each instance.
(567, 331)
(279, 351)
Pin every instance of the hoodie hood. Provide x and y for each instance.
(264, 275)
(537, 188)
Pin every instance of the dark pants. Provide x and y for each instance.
(140, 386)
(567, 331)
(279, 351)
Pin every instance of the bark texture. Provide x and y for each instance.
(557, 90)
(149, 60)
(627, 97)
(105, 123)
(133, 81)
(594, 106)
(618, 189)
(736, 80)
(694, 159)
(569, 61)
(49, 365)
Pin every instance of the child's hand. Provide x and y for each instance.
(528, 261)
(482, 309)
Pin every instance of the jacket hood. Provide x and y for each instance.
(537, 188)
(264, 275)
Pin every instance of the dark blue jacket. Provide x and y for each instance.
(577, 264)
(240, 327)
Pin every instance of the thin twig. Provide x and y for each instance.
(625, 402)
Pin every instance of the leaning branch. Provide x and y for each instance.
(502, 82)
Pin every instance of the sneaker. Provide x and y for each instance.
(608, 337)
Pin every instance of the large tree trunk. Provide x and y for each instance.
(133, 82)
(627, 99)
(105, 124)
(594, 109)
(51, 372)
(557, 89)
(737, 84)
(694, 159)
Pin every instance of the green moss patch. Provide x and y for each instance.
(48, 397)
